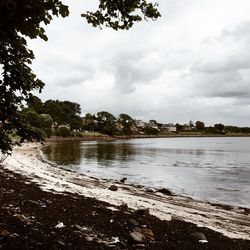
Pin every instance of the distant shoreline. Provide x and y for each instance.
(114, 138)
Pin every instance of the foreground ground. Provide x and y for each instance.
(34, 219)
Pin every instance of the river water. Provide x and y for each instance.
(215, 169)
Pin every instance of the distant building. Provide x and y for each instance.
(187, 127)
(140, 124)
(168, 127)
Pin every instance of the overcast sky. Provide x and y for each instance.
(191, 64)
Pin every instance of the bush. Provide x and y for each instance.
(151, 131)
(48, 132)
(64, 132)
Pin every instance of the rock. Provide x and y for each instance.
(165, 191)
(60, 225)
(31, 202)
(4, 232)
(139, 246)
(123, 206)
(133, 223)
(21, 219)
(148, 233)
(137, 237)
(142, 211)
(176, 217)
(113, 188)
(89, 238)
(198, 236)
(81, 229)
(60, 243)
(123, 180)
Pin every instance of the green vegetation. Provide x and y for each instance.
(24, 19)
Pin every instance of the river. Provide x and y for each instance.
(215, 169)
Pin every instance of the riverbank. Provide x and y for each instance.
(113, 138)
(38, 196)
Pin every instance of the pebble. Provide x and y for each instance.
(142, 211)
(113, 188)
(198, 236)
(165, 191)
(137, 237)
(4, 232)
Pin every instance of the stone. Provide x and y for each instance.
(89, 238)
(133, 223)
(4, 232)
(60, 225)
(31, 202)
(148, 233)
(137, 237)
(123, 206)
(165, 191)
(142, 211)
(198, 236)
(178, 218)
(113, 188)
(21, 219)
(123, 180)
(139, 246)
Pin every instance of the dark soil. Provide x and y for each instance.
(29, 216)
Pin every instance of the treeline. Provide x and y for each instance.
(63, 118)
(218, 128)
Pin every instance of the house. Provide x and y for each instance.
(187, 127)
(169, 127)
(140, 124)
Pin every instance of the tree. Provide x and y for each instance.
(64, 112)
(151, 131)
(179, 127)
(127, 122)
(199, 125)
(219, 127)
(89, 122)
(35, 103)
(106, 123)
(26, 18)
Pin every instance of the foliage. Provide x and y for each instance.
(24, 19)
(151, 131)
(106, 123)
(62, 131)
(89, 122)
(35, 103)
(64, 112)
(199, 125)
(179, 127)
(121, 14)
(219, 127)
(46, 121)
(235, 129)
(127, 123)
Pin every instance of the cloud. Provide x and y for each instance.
(222, 68)
(192, 64)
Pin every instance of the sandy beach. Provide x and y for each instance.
(232, 223)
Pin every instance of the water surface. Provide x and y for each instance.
(213, 169)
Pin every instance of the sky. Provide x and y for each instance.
(191, 64)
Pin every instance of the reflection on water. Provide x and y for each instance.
(217, 169)
(64, 153)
